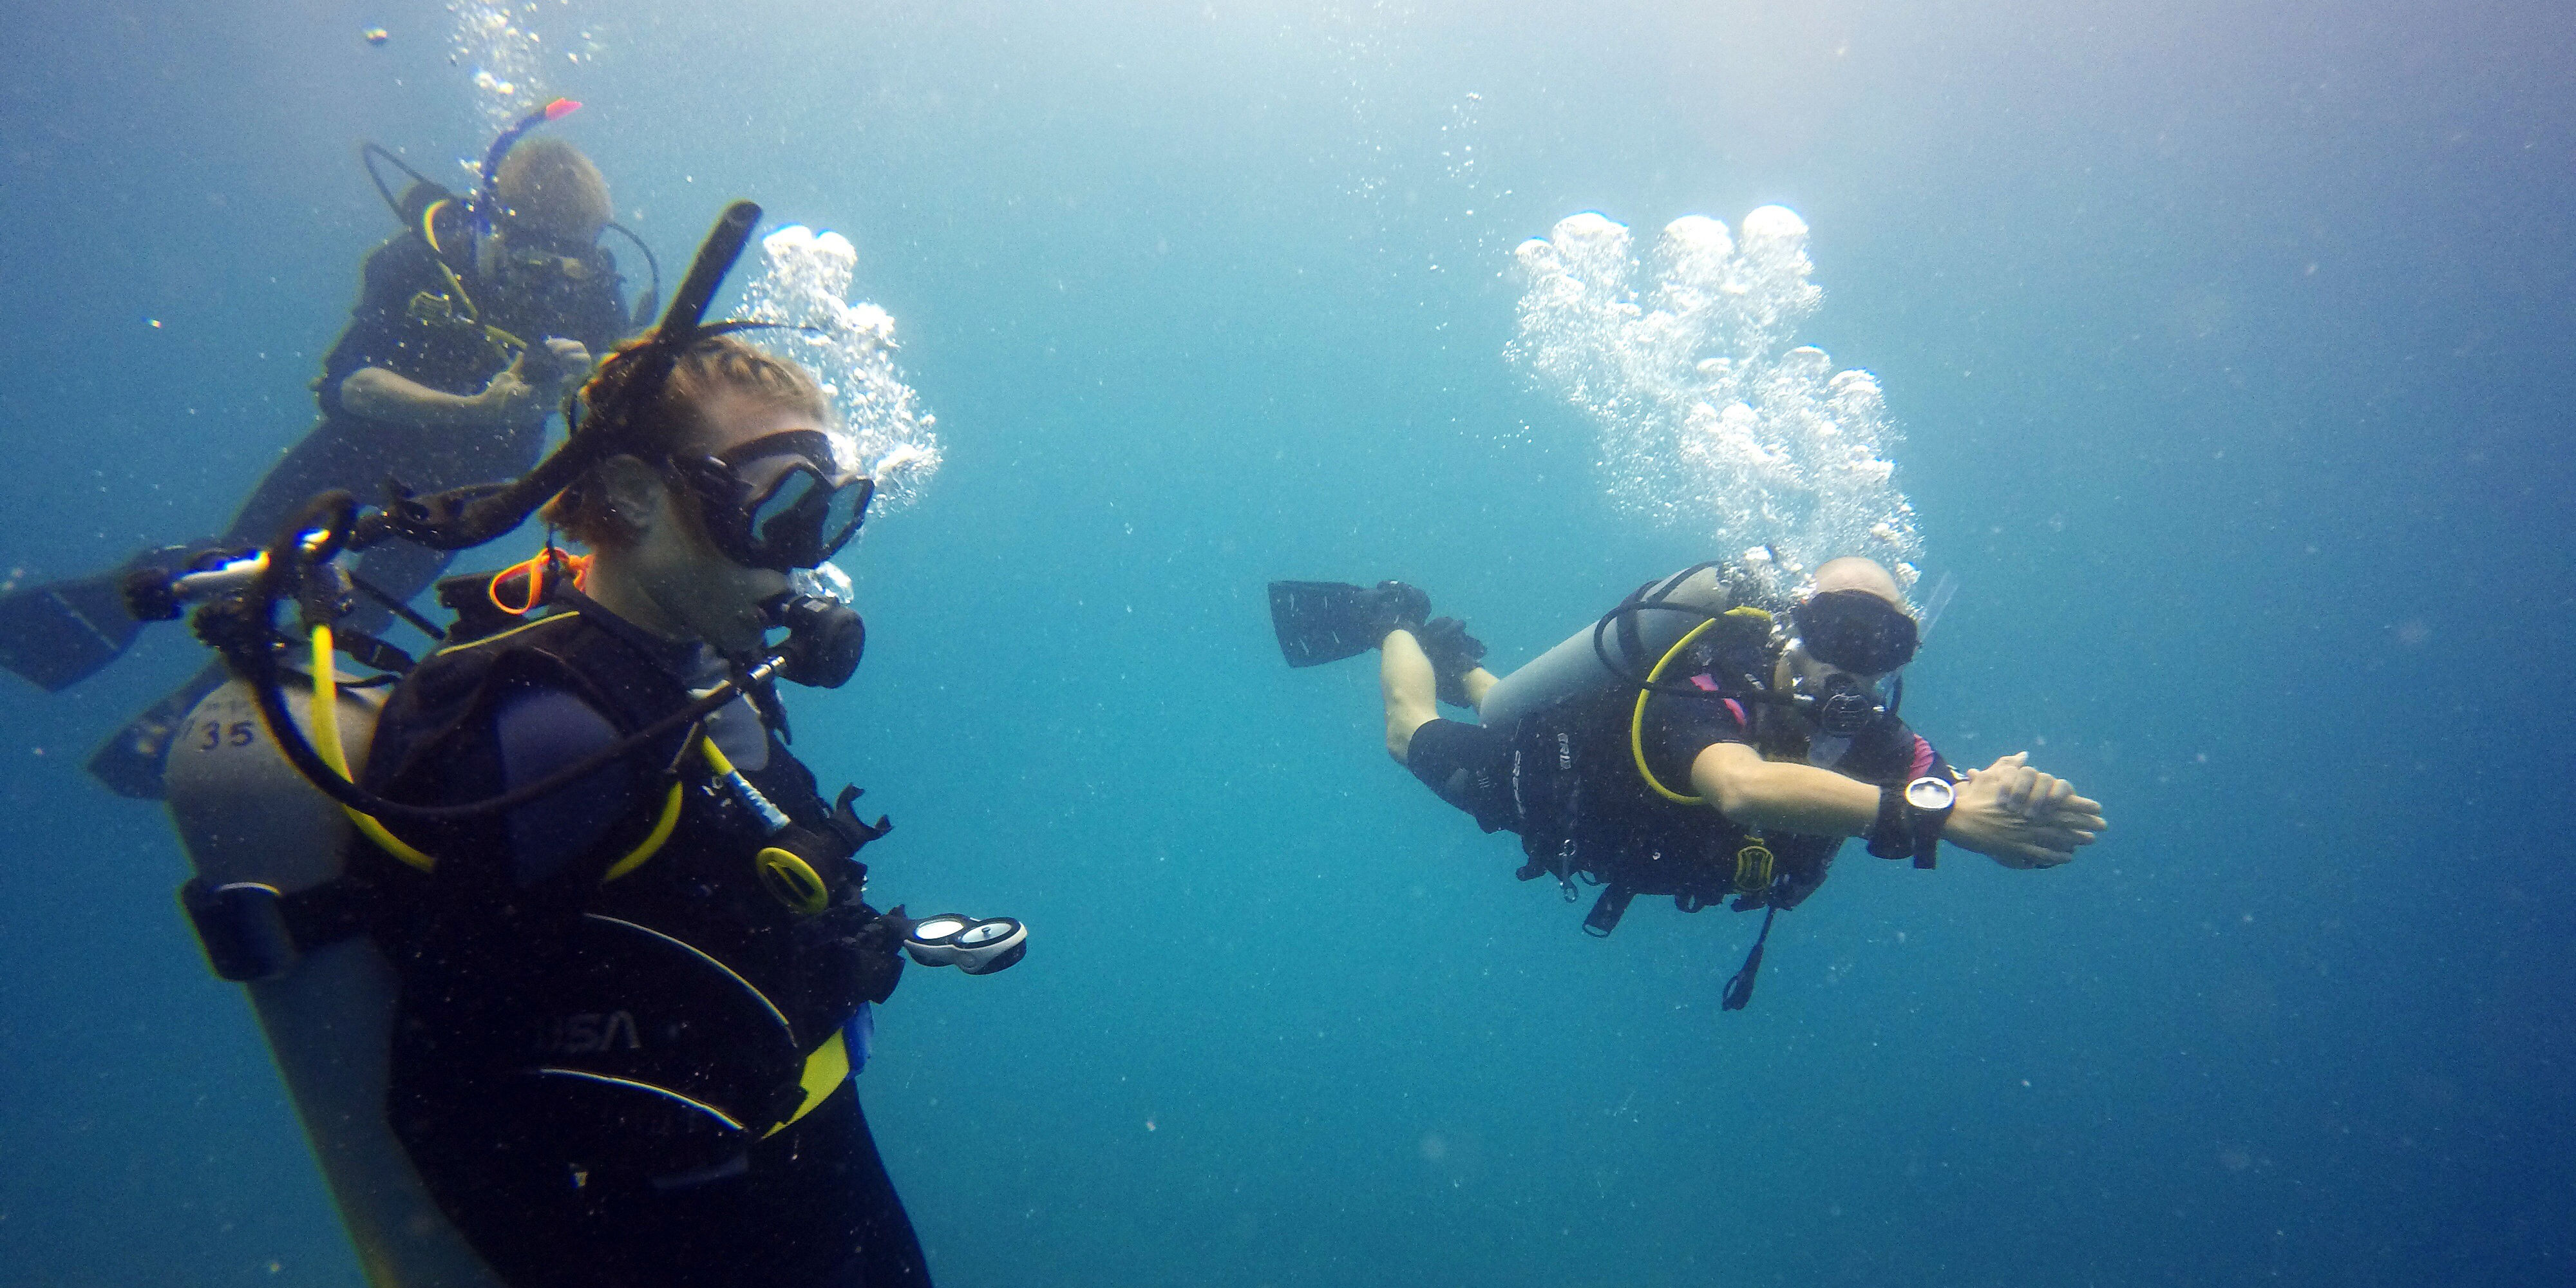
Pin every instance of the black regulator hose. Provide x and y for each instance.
(253, 656)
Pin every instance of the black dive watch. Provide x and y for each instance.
(1910, 819)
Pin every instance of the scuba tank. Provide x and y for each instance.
(1612, 650)
(258, 835)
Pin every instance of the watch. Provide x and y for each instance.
(1928, 802)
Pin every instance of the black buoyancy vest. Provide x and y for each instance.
(683, 978)
(1586, 812)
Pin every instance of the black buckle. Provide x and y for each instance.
(242, 927)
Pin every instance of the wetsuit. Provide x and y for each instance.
(599, 1076)
(1566, 781)
(85, 620)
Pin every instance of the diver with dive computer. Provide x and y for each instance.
(1691, 742)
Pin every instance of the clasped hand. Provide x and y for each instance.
(2022, 818)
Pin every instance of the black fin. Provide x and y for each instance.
(1326, 621)
(59, 634)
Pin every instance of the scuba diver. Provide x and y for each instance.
(470, 325)
(1689, 743)
(581, 1002)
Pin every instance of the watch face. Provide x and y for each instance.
(1930, 793)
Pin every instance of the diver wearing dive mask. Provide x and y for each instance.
(701, 885)
(1843, 666)
(1728, 759)
(453, 359)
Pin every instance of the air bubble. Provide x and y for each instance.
(1708, 419)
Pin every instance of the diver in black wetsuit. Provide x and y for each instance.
(460, 346)
(1731, 761)
(620, 1056)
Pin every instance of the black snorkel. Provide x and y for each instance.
(297, 563)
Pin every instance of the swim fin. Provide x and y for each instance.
(61, 633)
(1326, 621)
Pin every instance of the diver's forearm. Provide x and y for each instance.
(1769, 795)
(378, 394)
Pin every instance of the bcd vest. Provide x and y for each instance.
(642, 1024)
(1587, 813)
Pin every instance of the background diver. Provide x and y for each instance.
(1688, 744)
(471, 324)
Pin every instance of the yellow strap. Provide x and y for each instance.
(326, 741)
(464, 304)
(652, 842)
(825, 1070)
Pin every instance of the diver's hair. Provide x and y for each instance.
(672, 423)
(547, 184)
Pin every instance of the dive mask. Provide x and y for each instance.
(776, 502)
(1855, 630)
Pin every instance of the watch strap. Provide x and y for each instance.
(1924, 826)
(1890, 837)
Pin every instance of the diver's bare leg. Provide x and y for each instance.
(1405, 680)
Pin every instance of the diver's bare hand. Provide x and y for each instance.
(531, 386)
(553, 363)
(2020, 817)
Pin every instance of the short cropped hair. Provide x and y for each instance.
(672, 424)
(548, 185)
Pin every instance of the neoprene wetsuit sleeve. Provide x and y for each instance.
(542, 731)
(1896, 756)
(1677, 729)
(387, 282)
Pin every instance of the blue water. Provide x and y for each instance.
(2229, 340)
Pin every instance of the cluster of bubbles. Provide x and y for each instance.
(804, 283)
(499, 42)
(1706, 415)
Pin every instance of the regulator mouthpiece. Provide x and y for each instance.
(825, 637)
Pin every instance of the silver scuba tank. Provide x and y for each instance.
(254, 829)
(1575, 667)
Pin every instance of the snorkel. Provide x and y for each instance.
(487, 196)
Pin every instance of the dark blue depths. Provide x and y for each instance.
(2225, 338)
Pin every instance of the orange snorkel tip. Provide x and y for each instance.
(561, 108)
